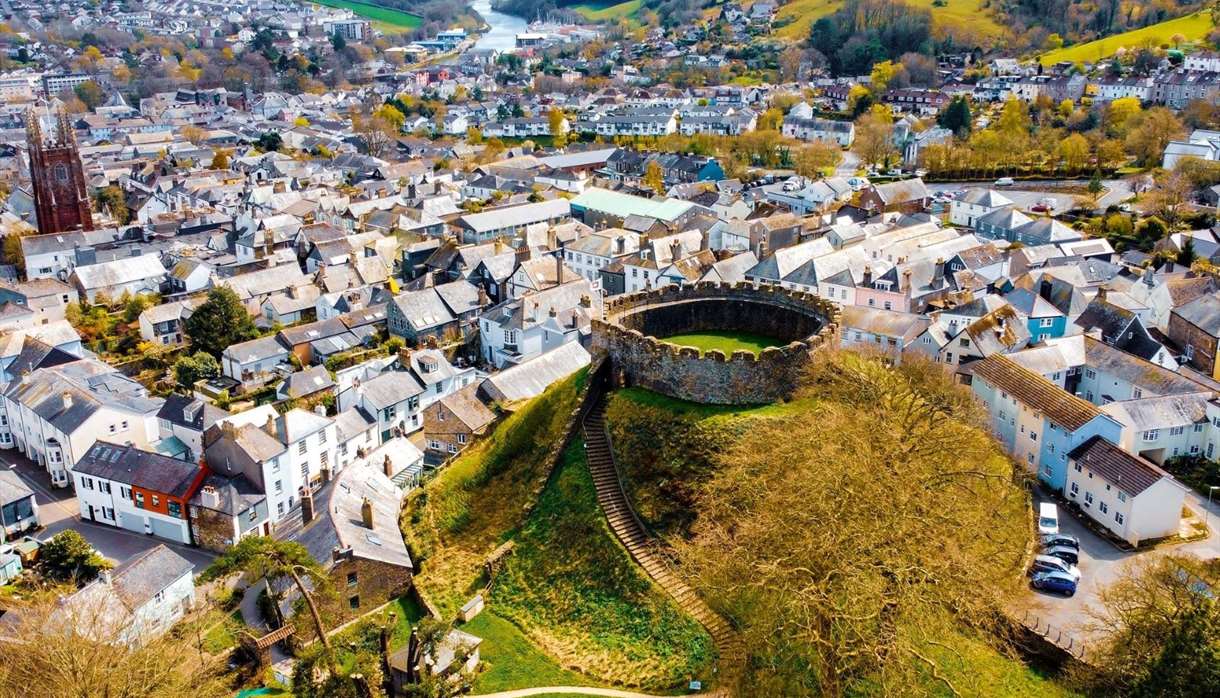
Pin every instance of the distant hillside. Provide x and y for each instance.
(1193, 28)
(968, 21)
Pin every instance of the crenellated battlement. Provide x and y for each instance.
(635, 323)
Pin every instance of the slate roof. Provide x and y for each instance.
(390, 388)
(132, 466)
(1126, 471)
(466, 406)
(12, 488)
(1203, 312)
(1035, 391)
(529, 378)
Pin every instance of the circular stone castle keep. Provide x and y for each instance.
(631, 339)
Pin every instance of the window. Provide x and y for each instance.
(1137, 393)
(1118, 518)
(1151, 435)
(1176, 431)
(123, 425)
(1078, 468)
(103, 486)
(322, 438)
(125, 492)
(324, 459)
(254, 513)
(1088, 497)
(279, 510)
(1103, 508)
(965, 342)
(108, 513)
(351, 579)
(87, 482)
(279, 486)
(1090, 373)
(949, 357)
(302, 448)
(140, 499)
(175, 508)
(156, 500)
(354, 602)
(1046, 322)
(452, 448)
(461, 438)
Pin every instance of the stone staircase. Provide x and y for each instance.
(643, 549)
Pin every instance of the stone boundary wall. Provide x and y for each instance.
(743, 378)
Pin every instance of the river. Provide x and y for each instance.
(504, 28)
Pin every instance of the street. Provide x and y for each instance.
(1101, 564)
(58, 511)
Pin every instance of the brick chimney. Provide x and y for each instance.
(387, 466)
(366, 513)
(306, 506)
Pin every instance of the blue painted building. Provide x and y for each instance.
(1038, 422)
(1043, 319)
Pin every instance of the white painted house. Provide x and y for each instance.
(1128, 495)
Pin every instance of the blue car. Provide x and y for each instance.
(1057, 582)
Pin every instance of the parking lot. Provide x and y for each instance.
(1101, 564)
(58, 511)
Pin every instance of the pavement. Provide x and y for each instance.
(1028, 193)
(58, 511)
(1101, 564)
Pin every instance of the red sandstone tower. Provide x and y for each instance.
(61, 197)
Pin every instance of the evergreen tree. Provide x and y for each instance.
(222, 320)
(956, 117)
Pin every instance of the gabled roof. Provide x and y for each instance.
(1126, 471)
(132, 466)
(1034, 391)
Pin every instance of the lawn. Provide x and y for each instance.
(511, 662)
(577, 594)
(1193, 26)
(728, 342)
(223, 635)
(969, 17)
(597, 11)
(387, 19)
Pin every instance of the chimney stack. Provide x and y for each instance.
(1101, 293)
(868, 275)
(306, 506)
(558, 268)
(366, 513)
(387, 466)
(67, 396)
(209, 497)
(586, 302)
(483, 299)
(269, 427)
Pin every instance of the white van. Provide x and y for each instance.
(1005, 182)
(1048, 519)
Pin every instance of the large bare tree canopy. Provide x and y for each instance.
(849, 539)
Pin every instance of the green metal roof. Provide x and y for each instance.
(623, 205)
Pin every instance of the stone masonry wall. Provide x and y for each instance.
(628, 337)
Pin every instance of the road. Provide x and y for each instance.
(1102, 564)
(59, 511)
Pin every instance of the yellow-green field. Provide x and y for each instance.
(1193, 27)
(967, 18)
(386, 19)
(600, 11)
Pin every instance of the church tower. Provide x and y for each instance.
(61, 196)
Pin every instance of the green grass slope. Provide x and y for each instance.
(603, 11)
(578, 593)
(1193, 27)
(582, 611)
(387, 19)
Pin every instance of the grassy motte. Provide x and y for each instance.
(724, 340)
(474, 504)
(568, 585)
(578, 593)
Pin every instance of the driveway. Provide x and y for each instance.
(59, 511)
(1102, 564)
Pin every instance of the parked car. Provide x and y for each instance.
(1005, 182)
(857, 183)
(1063, 552)
(1048, 519)
(1047, 563)
(921, 173)
(1058, 582)
(1060, 539)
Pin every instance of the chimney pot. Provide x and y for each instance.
(366, 513)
